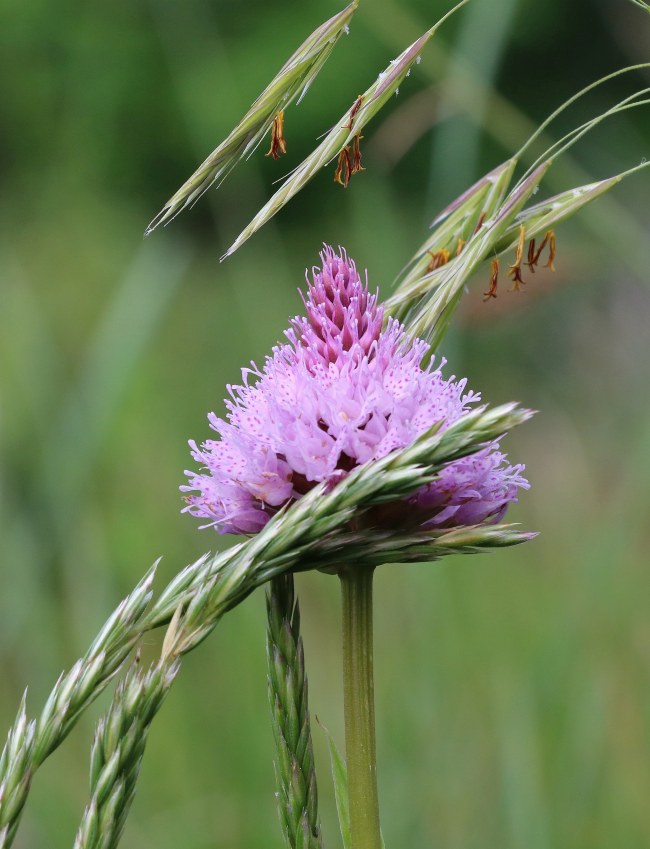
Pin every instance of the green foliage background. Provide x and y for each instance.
(513, 690)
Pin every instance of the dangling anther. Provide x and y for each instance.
(343, 168)
(459, 247)
(355, 108)
(534, 261)
(278, 141)
(479, 223)
(356, 155)
(515, 269)
(494, 279)
(551, 250)
(438, 259)
(530, 262)
(549, 239)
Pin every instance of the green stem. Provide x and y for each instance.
(359, 706)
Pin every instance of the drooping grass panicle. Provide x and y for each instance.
(290, 84)
(297, 794)
(303, 536)
(117, 752)
(343, 136)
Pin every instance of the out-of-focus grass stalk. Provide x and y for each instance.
(117, 753)
(290, 83)
(482, 39)
(130, 320)
(563, 144)
(642, 5)
(540, 130)
(287, 682)
(344, 132)
(305, 535)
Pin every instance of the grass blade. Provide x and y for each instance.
(340, 779)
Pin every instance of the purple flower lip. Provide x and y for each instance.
(347, 387)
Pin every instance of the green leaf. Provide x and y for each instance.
(340, 778)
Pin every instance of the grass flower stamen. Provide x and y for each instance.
(278, 141)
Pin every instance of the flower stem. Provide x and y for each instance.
(358, 692)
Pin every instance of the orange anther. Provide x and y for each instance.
(356, 155)
(343, 168)
(438, 259)
(551, 250)
(531, 256)
(355, 108)
(494, 279)
(515, 269)
(278, 141)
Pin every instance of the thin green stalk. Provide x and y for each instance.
(556, 112)
(359, 707)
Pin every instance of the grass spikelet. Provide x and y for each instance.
(289, 84)
(117, 753)
(287, 684)
(339, 142)
(427, 293)
(30, 743)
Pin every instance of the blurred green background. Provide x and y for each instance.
(513, 689)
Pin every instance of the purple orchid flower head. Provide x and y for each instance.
(345, 388)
